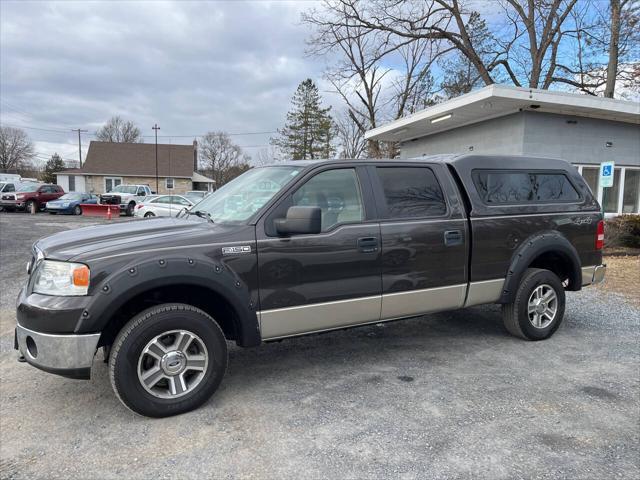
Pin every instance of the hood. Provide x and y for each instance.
(83, 244)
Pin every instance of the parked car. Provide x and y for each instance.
(71, 203)
(7, 195)
(30, 195)
(299, 248)
(126, 196)
(162, 206)
(195, 195)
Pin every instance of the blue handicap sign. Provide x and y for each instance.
(607, 170)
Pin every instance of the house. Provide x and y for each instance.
(499, 119)
(110, 164)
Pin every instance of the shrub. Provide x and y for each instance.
(622, 231)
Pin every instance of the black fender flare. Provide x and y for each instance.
(533, 247)
(138, 277)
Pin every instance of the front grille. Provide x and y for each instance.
(110, 199)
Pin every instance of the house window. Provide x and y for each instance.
(111, 182)
(72, 183)
(631, 196)
(168, 183)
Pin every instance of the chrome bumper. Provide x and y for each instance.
(67, 355)
(593, 274)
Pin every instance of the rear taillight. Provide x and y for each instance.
(600, 235)
(139, 205)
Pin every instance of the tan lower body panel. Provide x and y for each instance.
(290, 321)
(486, 291)
(417, 302)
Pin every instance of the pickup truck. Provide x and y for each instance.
(306, 247)
(126, 196)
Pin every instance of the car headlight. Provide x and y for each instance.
(61, 278)
(65, 204)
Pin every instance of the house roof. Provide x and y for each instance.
(137, 159)
(499, 100)
(196, 177)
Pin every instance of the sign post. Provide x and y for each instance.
(606, 179)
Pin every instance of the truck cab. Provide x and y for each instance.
(307, 247)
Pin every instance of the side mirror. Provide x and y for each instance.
(300, 220)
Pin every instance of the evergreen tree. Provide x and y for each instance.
(53, 165)
(309, 130)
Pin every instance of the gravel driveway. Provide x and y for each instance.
(449, 395)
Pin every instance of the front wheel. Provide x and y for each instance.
(168, 360)
(149, 215)
(538, 307)
(129, 210)
(77, 210)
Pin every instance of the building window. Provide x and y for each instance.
(610, 194)
(168, 183)
(72, 183)
(631, 194)
(590, 175)
(111, 182)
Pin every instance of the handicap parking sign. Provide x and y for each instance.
(606, 174)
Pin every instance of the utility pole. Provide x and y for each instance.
(156, 128)
(79, 143)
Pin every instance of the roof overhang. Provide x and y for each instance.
(497, 101)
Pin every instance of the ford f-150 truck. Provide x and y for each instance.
(126, 196)
(306, 247)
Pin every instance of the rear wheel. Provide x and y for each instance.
(538, 307)
(77, 210)
(168, 360)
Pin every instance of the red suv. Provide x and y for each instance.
(37, 195)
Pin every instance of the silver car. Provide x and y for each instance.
(162, 206)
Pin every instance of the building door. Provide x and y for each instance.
(327, 280)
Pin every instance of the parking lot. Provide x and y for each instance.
(449, 395)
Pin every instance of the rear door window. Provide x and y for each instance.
(513, 187)
(411, 192)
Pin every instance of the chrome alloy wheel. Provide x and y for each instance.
(172, 364)
(542, 307)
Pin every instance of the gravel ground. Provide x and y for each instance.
(444, 396)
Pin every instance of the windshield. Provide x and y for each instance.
(242, 197)
(2, 186)
(71, 196)
(28, 187)
(125, 189)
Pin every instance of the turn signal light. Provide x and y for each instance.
(81, 276)
(600, 235)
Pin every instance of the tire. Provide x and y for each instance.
(31, 206)
(536, 284)
(128, 358)
(149, 215)
(129, 211)
(77, 210)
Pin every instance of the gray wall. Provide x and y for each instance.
(501, 135)
(549, 135)
(540, 134)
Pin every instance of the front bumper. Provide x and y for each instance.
(67, 355)
(593, 275)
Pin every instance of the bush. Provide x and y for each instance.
(622, 231)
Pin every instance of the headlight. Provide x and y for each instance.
(65, 204)
(19, 197)
(61, 278)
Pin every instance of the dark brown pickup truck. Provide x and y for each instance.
(306, 247)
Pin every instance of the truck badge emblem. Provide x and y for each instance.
(236, 250)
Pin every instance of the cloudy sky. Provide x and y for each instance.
(192, 67)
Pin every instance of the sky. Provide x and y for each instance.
(189, 66)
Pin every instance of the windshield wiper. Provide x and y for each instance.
(201, 214)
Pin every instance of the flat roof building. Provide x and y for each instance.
(499, 119)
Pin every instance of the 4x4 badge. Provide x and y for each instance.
(236, 250)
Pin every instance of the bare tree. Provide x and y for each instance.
(117, 130)
(16, 149)
(372, 92)
(220, 158)
(351, 137)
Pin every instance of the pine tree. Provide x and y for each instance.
(309, 130)
(53, 165)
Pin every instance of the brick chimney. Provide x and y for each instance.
(195, 155)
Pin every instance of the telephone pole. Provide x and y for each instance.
(79, 143)
(156, 128)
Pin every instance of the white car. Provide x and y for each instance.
(162, 206)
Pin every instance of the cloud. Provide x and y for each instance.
(189, 66)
